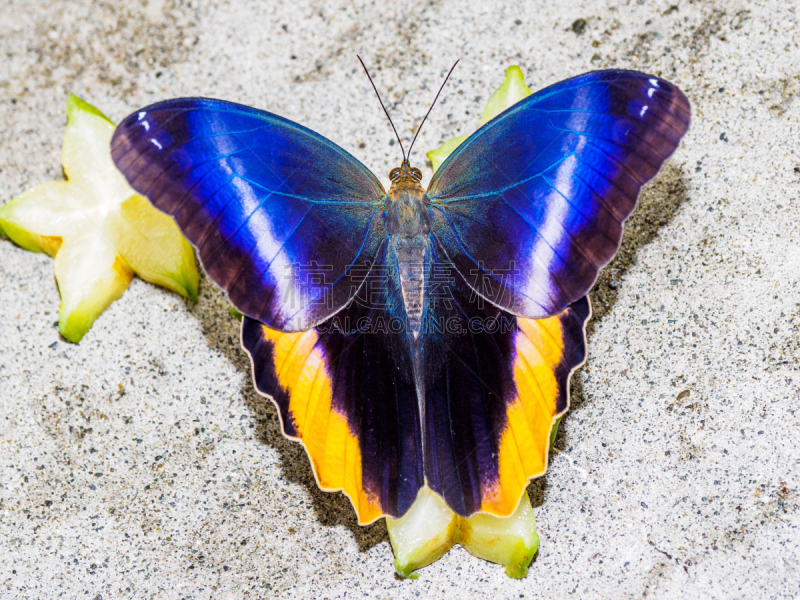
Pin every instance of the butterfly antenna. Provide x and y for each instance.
(431, 108)
(383, 107)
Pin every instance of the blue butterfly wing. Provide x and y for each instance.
(531, 206)
(284, 220)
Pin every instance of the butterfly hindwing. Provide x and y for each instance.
(283, 219)
(346, 389)
(532, 204)
(493, 386)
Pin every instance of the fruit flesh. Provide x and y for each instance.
(98, 229)
(507, 95)
(429, 529)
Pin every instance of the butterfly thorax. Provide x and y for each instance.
(408, 224)
(406, 212)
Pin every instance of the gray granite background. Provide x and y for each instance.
(141, 464)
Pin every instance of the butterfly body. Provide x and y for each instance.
(415, 337)
(408, 229)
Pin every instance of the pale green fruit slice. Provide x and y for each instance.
(90, 276)
(99, 230)
(510, 541)
(429, 529)
(438, 156)
(422, 535)
(89, 272)
(154, 247)
(35, 220)
(507, 95)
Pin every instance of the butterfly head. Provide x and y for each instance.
(405, 176)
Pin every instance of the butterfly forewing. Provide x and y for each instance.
(284, 220)
(531, 205)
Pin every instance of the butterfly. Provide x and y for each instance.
(412, 337)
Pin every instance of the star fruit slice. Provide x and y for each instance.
(507, 95)
(429, 529)
(98, 229)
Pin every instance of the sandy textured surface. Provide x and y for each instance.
(141, 464)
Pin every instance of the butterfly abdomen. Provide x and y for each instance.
(410, 256)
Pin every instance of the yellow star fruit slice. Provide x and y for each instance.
(507, 95)
(429, 529)
(98, 229)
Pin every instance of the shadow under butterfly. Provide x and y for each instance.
(413, 337)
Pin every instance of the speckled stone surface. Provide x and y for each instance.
(141, 464)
